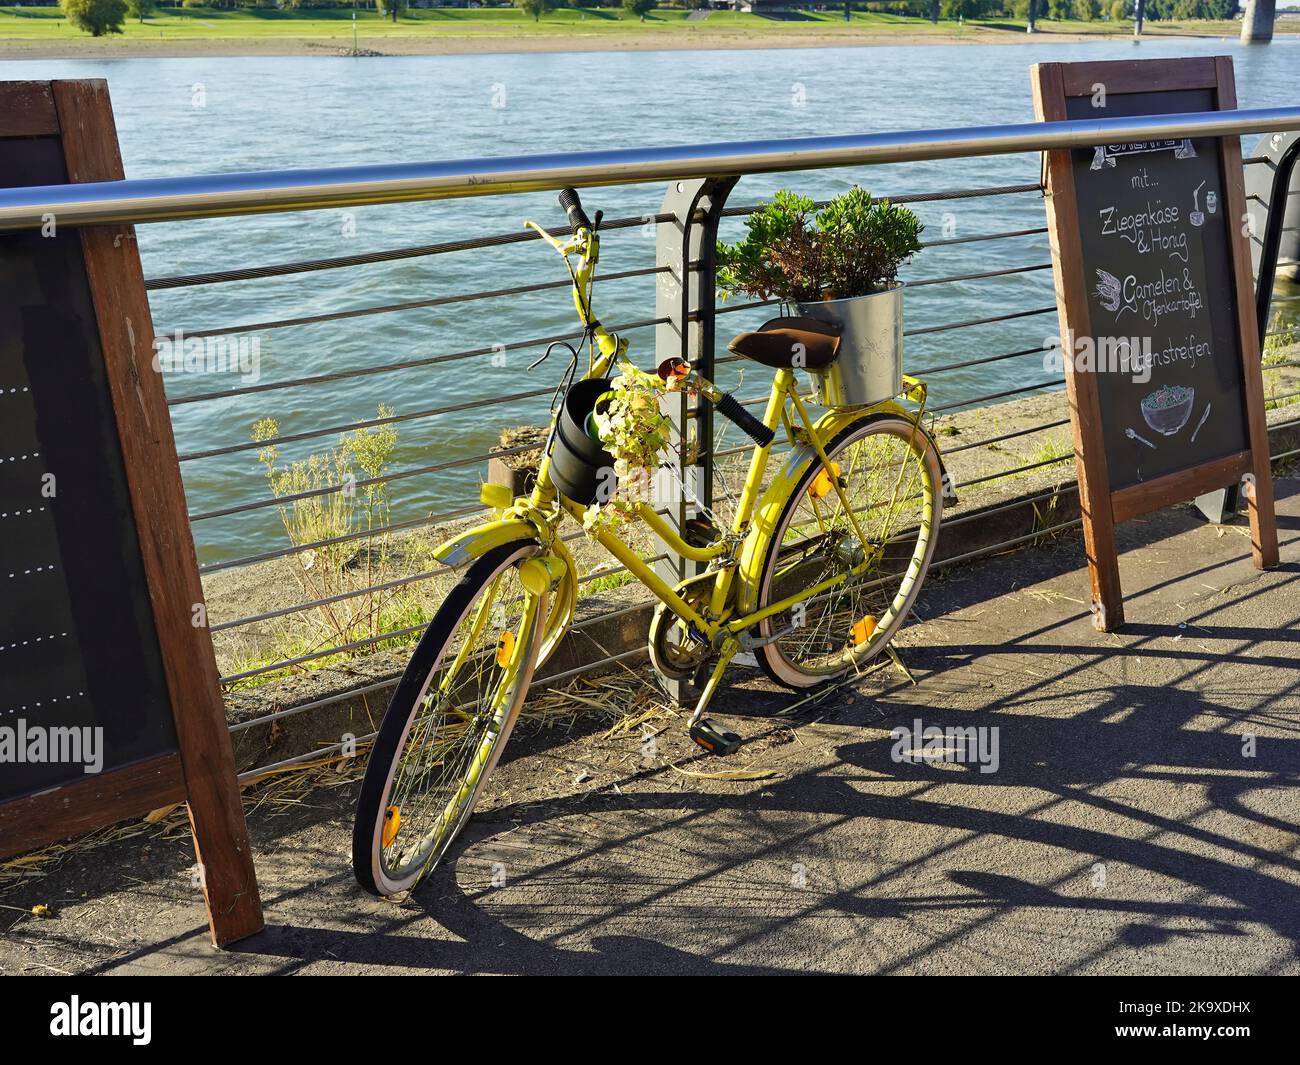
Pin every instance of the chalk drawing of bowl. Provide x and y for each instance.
(1167, 409)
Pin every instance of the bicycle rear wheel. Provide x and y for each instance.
(447, 723)
(890, 474)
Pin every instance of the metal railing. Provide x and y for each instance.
(212, 196)
(684, 319)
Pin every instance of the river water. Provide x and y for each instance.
(205, 115)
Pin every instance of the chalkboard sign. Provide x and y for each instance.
(1153, 288)
(110, 704)
(78, 645)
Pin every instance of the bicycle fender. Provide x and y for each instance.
(749, 571)
(477, 542)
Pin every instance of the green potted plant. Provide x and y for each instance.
(838, 266)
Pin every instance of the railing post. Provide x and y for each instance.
(685, 296)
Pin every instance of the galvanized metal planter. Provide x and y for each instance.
(869, 367)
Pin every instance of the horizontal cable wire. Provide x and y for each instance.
(968, 323)
(288, 662)
(315, 704)
(390, 682)
(931, 370)
(410, 305)
(981, 276)
(393, 634)
(396, 254)
(284, 552)
(310, 756)
(541, 684)
(328, 600)
(996, 395)
(1005, 436)
(430, 360)
(978, 552)
(919, 197)
(1005, 235)
(311, 493)
(1013, 471)
(369, 423)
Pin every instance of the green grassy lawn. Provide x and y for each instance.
(48, 24)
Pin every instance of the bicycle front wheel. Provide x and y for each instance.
(448, 722)
(890, 475)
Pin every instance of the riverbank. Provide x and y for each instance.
(40, 33)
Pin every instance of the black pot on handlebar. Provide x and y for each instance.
(580, 467)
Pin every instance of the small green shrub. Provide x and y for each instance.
(853, 247)
(327, 498)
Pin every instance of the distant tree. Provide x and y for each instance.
(536, 8)
(965, 9)
(1086, 10)
(640, 8)
(140, 9)
(96, 17)
(391, 8)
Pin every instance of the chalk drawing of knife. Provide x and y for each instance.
(1133, 436)
(1199, 424)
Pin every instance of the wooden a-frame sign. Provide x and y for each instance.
(1151, 260)
(110, 703)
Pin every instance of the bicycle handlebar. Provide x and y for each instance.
(676, 371)
(729, 407)
(573, 208)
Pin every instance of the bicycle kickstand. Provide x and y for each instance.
(708, 734)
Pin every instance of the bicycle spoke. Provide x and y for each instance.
(884, 494)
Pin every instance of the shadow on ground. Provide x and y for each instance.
(1142, 815)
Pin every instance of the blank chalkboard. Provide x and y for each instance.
(105, 658)
(78, 643)
(1161, 294)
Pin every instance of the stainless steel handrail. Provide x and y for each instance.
(209, 196)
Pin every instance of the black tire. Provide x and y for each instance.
(385, 755)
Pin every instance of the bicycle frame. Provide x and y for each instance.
(734, 595)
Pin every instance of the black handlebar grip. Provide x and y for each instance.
(573, 208)
(752, 427)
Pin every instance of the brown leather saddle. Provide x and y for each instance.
(776, 342)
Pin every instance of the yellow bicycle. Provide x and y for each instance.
(818, 570)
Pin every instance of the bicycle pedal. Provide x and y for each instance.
(699, 532)
(713, 738)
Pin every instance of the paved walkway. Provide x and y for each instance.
(1142, 818)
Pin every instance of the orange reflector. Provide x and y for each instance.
(863, 629)
(822, 484)
(505, 647)
(392, 822)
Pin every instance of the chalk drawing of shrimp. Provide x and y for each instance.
(1109, 290)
